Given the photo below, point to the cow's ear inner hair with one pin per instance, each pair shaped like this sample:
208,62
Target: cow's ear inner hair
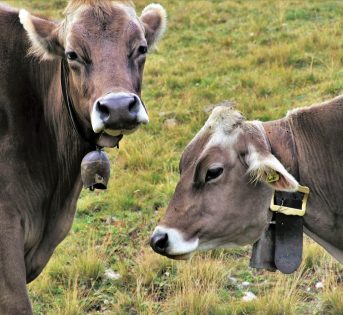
154,19
43,35
268,169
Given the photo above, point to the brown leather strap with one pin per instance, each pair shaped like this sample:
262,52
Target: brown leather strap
70,105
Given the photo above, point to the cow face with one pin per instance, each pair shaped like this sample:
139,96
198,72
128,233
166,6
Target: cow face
105,45
223,196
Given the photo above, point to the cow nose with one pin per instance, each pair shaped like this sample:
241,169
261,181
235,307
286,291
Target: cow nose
159,242
119,111
118,106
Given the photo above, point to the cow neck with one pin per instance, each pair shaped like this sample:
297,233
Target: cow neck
282,144
70,105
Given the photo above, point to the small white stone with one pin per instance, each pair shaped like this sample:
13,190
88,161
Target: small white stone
245,284
170,123
249,296
110,220
319,285
233,280
111,275
163,114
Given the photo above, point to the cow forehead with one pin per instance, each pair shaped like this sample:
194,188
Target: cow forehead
223,119
101,7
106,19
193,151
220,129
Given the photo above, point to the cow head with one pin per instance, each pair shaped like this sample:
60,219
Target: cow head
223,195
105,45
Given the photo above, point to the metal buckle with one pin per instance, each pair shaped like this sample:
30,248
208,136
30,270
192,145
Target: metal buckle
292,211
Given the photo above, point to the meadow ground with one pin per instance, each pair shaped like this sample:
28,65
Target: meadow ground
267,57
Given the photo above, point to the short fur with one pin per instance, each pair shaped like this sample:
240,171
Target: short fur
40,152
303,147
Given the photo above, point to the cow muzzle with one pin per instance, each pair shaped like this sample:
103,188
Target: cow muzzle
171,243
118,114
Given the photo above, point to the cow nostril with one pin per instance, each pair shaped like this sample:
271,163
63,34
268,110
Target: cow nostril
133,106
162,242
103,110
159,243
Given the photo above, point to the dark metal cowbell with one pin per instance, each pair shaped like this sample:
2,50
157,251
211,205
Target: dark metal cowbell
95,170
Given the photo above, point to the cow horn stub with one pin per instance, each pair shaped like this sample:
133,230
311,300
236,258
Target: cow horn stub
95,170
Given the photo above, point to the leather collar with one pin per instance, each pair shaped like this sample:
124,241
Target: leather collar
280,247
70,105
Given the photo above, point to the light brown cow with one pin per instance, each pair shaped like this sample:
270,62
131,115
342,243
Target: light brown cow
223,197
101,45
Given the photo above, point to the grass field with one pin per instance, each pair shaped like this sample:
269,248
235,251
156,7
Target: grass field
267,57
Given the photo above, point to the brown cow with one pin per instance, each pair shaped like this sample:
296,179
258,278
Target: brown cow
223,196
103,46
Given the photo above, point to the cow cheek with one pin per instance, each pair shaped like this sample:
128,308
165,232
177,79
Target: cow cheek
251,216
137,76
87,99
234,217
78,92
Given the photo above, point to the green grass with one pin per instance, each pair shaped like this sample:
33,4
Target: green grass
266,56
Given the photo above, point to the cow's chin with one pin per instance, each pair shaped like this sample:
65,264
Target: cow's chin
108,141
181,257
205,247
217,243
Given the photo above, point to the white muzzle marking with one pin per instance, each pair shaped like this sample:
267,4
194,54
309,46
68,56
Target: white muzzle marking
98,124
142,115
176,243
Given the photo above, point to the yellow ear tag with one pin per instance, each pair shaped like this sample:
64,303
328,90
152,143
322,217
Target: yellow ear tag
273,177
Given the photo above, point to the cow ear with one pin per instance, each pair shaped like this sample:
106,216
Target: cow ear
43,34
154,19
267,168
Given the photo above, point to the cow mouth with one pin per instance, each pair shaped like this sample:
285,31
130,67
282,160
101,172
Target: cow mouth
116,132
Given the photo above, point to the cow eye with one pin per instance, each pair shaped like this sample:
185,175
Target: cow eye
142,50
71,55
213,173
